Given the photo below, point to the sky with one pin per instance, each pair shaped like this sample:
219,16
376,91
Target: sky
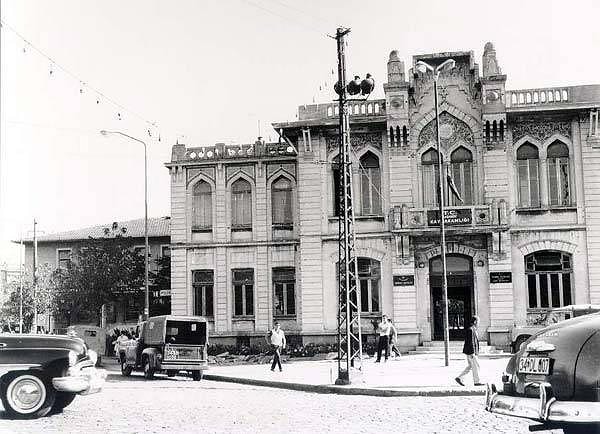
202,72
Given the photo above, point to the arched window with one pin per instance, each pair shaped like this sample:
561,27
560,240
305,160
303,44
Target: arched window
528,174
462,173
548,279
281,203
392,136
370,185
241,205
559,186
431,178
201,206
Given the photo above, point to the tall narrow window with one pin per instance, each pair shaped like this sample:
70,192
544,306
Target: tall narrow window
243,292
370,183
241,205
549,277
63,258
335,174
203,286
462,173
431,177
281,203
369,277
559,186
202,206
528,174
284,295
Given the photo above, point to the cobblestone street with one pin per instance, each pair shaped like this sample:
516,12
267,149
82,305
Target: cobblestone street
179,405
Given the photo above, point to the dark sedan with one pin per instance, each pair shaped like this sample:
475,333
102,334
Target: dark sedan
40,374
554,378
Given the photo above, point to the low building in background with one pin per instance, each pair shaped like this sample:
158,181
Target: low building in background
58,249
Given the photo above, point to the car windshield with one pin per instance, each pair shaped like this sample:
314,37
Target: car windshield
186,332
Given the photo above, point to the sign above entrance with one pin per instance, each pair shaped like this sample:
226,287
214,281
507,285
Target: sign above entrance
500,277
404,280
451,217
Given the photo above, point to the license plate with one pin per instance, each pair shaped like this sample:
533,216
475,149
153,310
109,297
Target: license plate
534,365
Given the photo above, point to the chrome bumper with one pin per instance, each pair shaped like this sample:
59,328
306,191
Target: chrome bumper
183,366
541,409
83,379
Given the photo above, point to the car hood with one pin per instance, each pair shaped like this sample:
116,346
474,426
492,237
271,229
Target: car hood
562,342
43,341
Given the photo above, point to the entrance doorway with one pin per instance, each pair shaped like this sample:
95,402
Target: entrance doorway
460,295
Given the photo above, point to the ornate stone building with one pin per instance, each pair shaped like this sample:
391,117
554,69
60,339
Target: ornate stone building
254,227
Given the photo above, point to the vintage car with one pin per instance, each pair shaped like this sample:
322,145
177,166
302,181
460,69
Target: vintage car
554,378
40,374
169,344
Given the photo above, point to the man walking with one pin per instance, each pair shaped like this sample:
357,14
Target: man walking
276,339
393,336
384,331
471,350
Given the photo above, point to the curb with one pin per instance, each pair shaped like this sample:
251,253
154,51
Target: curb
344,390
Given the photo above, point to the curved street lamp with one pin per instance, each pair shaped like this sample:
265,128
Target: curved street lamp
146,251
423,67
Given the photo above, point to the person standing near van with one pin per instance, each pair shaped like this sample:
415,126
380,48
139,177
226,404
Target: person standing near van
384,330
471,350
276,339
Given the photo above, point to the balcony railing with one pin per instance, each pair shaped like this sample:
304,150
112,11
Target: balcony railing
332,110
223,151
405,218
538,97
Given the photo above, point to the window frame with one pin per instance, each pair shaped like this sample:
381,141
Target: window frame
59,260
207,225
368,204
527,164
288,220
203,286
431,169
369,279
236,200
460,168
560,167
285,282
539,275
244,290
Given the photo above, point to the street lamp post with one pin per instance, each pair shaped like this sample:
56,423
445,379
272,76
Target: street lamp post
444,66
146,250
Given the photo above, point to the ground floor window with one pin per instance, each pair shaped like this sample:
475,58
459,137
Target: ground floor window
203,285
369,276
549,279
243,292
284,294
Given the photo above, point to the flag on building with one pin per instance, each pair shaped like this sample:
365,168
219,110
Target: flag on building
452,185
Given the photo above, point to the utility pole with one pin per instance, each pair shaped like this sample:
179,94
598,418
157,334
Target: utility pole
35,309
349,333
21,286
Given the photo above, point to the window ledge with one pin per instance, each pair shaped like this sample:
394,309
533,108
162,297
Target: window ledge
243,318
241,229
292,317
359,217
201,229
544,209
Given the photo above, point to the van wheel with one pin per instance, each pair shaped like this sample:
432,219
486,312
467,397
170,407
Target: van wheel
171,373
125,369
148,370
27,395
197,375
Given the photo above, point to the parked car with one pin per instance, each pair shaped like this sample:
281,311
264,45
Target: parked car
40,374
93,336
538,319
169,344
554,378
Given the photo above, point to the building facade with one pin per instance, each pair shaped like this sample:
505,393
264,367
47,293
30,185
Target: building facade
254,227
58,249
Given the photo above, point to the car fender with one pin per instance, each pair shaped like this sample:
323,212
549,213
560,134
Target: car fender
152,354
587,370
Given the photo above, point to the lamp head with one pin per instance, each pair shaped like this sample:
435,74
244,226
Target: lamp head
423,67
104,132
447,65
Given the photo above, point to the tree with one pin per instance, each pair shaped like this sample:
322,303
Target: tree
41,298
103,270
161,281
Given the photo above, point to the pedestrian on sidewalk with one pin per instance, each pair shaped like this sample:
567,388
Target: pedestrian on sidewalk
276,339
392,338
384,330
471,350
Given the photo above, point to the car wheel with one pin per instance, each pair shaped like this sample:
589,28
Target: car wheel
584,428
28,395
125,369
171,373
148,370
197,375
62,400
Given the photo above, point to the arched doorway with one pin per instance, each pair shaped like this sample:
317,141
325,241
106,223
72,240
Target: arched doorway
461,305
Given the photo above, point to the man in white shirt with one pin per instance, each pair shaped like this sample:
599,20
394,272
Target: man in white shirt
276,339
384,331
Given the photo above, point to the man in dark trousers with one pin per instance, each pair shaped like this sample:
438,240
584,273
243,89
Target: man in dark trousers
276,339
384,331
471,350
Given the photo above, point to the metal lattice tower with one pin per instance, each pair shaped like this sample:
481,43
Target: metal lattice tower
349,333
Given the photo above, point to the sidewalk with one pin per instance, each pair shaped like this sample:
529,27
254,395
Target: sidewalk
407,376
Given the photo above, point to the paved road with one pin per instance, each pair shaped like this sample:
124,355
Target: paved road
179,405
